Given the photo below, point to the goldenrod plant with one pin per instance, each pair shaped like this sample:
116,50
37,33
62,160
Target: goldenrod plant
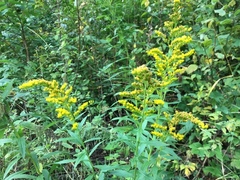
60,96
64,103
147,100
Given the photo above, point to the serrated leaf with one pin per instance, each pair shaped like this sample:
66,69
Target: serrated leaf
236,163
215,171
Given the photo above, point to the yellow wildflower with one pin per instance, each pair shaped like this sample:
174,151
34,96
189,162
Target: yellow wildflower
158,134
62,112
178,136
68,91
157,126
176,1
74,126
129,106
158,102
33,83
63,87
82,107
72,100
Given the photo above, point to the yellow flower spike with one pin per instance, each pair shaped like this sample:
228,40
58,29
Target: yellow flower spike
68,91
160,34
63,87
54,84
158,134
62,112
74,126
129,106
176,1
82,107
72,100
158,102
33,83
157,126
180,41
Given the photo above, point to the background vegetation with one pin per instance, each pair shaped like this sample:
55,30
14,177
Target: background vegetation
93,45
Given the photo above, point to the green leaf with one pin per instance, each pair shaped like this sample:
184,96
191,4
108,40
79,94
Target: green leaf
10,167
22,146
155,143
94,148
3,124
122,173
219,154
66,145
235,161
3,141
213,170
46,174
221,12
90,177
112,145
75,138
7,90
37,165
105,168
49,155
191,68
220,55
4,61
226,21
195,149
92,139
20,175
187,127
65,161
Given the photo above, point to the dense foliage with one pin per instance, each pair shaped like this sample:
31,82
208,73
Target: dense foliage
119,89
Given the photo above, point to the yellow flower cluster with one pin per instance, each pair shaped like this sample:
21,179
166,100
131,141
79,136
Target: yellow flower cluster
129,106
74,126
59,95
63,112
185,116
150,85
176,1
158,102
34,82
172,123
158,134
157,126
130,94
141,74
82,107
